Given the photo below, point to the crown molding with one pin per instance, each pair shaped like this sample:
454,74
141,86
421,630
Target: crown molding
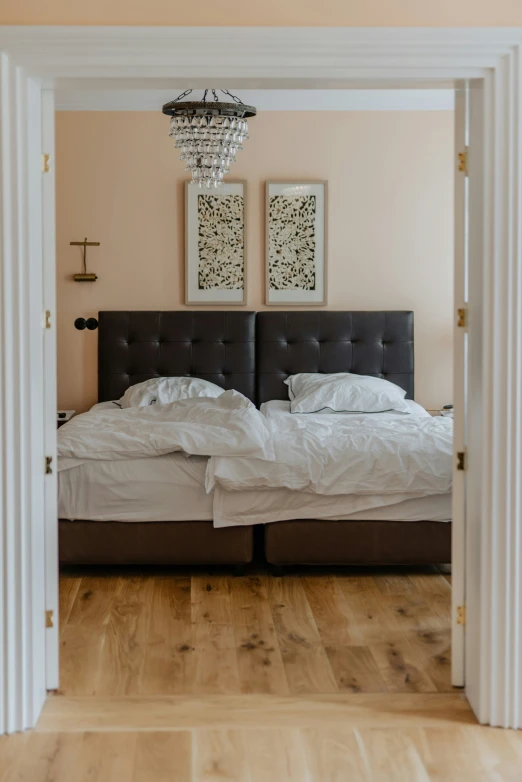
325,57
265,100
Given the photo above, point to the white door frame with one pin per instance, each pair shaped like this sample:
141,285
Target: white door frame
22,568
134,57
458,532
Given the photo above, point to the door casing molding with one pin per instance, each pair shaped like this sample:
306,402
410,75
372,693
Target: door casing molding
289,58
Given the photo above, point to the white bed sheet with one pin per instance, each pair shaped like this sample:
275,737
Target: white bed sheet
162,488
265,506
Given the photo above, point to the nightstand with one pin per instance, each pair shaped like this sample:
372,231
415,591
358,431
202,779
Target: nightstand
446,413
63,416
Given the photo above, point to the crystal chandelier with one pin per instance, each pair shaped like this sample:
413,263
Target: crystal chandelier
209,134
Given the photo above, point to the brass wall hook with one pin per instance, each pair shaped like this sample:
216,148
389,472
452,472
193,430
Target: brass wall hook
85,276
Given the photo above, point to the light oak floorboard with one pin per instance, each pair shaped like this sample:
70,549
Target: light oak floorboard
163,757
321,753
391,756
276,755
416,612
355,669
169,650
104,758
11,750
123,653
436,590
397,662
432,654
305,659
332,613
333,754
82,639
51,757
259,659
220,755
479,754
394,584
372,612
215,668
69,586
178,712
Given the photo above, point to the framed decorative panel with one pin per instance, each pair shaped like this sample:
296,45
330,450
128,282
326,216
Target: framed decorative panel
296,243
215,271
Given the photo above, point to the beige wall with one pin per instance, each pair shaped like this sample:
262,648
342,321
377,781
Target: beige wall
393,13
120,182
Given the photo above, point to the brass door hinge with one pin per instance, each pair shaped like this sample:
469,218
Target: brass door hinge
462,317
461,615
47,319
46,163
49,616
48,465
461,460
463,161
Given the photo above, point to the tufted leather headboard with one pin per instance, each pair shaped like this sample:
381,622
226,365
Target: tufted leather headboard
366,343
135,346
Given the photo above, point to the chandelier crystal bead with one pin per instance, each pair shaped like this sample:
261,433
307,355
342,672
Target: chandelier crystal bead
209,134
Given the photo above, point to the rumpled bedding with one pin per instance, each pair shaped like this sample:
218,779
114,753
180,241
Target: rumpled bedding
360,455
397,458
229,425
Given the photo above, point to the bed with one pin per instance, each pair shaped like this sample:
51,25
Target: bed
136,346
157,511
367,343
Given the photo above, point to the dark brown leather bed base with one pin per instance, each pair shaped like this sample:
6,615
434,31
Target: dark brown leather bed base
306,542
310,542
153,543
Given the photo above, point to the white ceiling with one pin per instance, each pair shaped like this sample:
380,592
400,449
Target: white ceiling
123,99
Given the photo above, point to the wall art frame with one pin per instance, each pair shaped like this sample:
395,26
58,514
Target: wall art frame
215,245
298,231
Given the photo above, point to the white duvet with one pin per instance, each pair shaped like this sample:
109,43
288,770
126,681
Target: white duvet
228,425
355,462
406,456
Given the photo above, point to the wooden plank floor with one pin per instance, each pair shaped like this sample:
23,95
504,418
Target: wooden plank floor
215,634
317,677
256,738
316,754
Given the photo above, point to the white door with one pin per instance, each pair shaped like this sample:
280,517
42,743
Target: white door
460,379
50,401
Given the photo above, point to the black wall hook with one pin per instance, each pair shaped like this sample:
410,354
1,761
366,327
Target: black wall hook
90,323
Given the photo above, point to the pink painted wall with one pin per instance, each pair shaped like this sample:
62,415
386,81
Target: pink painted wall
294,13
120,182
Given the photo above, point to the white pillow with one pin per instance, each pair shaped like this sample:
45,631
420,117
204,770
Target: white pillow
162,390
344,392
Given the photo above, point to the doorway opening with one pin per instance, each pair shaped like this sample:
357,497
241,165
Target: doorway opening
299,631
